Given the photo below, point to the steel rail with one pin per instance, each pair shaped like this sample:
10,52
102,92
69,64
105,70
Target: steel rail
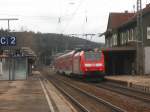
113,107
79,105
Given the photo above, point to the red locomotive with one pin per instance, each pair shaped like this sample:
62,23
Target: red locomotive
84,63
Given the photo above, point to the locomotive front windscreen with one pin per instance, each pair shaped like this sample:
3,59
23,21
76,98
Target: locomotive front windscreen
92,56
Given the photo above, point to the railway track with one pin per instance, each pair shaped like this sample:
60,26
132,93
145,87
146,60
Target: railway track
80,106
125,91
125,102
84,100
52,96
145,97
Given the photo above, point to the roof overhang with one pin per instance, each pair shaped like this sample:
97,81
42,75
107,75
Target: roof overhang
102,34
118,49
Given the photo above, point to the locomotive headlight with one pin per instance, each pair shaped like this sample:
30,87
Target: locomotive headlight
99,64
88,65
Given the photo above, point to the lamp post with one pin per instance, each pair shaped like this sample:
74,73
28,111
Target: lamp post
8,20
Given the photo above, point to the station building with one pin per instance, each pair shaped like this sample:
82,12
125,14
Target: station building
124,53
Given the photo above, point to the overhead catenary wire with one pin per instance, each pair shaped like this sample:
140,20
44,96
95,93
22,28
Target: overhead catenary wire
84,24
72,16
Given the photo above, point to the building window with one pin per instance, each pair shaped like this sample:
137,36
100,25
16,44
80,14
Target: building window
114,39
131,33
128,35
124,37
121,40
135,33
148,32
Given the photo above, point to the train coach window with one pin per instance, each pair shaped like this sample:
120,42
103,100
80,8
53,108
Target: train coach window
92,56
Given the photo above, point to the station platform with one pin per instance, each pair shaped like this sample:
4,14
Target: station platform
140,82
29,96
22,96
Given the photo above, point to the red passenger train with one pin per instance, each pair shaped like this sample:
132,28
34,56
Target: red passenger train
84,63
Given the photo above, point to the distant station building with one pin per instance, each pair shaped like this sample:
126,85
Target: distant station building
31,58
123,53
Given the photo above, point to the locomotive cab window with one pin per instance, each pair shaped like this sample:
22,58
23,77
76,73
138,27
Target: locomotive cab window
92,56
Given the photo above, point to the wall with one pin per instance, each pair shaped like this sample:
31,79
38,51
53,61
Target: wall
146,23
13,68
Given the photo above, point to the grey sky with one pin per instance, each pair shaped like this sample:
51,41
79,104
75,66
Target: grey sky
42,15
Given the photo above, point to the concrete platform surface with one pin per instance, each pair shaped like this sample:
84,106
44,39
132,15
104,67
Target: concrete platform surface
139,80
36,94
22,96
141,83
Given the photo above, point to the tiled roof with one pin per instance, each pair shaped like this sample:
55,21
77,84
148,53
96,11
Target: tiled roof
116,19
120,19
133,19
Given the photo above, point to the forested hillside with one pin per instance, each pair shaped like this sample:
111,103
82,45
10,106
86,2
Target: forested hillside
47,44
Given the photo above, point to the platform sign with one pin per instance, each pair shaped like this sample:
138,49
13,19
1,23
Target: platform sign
7,41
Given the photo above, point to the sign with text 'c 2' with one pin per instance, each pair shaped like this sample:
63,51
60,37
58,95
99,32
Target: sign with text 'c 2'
7,41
